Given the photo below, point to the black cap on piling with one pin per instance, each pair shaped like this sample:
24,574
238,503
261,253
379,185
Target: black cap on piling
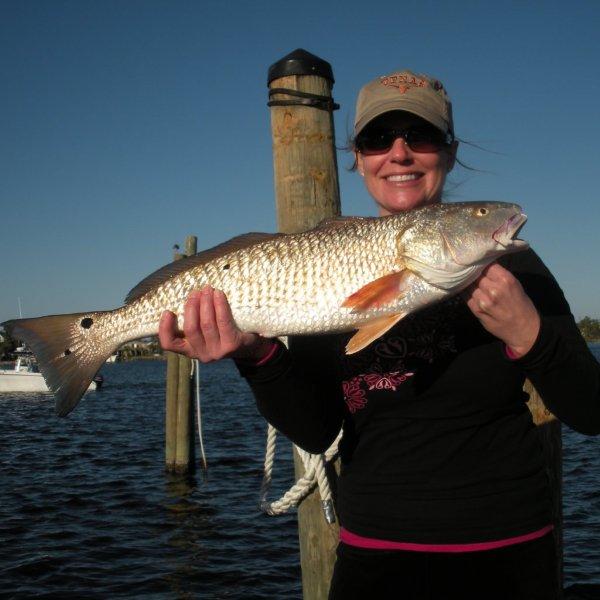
300,62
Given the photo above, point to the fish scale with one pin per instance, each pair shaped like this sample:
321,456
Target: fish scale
351,273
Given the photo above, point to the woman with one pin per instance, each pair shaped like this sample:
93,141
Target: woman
442,492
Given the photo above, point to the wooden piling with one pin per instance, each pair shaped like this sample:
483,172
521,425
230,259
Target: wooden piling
171,410
550,432
306,192
304,156
179,418
171,402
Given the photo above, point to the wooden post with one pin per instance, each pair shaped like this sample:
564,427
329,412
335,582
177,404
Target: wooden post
185,425
171,402
304,158
306,192
549,429
179,426
171,410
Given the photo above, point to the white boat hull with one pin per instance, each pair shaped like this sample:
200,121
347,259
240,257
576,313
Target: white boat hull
22,381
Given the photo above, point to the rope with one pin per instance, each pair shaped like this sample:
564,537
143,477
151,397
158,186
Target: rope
196,371
305,99
314,474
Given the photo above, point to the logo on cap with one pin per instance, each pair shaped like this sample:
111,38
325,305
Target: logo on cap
402,82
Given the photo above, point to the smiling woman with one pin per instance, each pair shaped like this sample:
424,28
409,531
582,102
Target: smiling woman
443,491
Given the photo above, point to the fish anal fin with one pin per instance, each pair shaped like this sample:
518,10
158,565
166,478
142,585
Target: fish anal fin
379,292
371,331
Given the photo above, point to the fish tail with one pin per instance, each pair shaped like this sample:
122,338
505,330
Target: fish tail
70,349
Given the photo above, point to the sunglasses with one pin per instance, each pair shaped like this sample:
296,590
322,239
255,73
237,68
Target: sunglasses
418,139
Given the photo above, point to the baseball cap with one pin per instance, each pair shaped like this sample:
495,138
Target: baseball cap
404,90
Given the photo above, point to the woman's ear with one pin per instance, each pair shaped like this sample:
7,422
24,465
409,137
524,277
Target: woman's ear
359,163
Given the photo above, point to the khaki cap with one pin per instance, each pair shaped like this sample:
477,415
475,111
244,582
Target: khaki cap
404,90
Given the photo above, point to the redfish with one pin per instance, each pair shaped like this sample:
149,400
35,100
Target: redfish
348,273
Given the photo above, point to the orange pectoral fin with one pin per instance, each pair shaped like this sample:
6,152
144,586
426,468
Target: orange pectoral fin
370,332
379,292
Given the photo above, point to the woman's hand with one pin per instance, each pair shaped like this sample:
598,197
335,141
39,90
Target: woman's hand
498,300
209,331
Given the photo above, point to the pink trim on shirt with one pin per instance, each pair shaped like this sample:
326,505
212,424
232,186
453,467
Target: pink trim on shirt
352,539
510,353
268,356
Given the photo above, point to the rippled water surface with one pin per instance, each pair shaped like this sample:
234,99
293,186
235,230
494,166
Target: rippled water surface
87,511
581,505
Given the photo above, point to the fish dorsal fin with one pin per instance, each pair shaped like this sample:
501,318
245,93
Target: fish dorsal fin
371,331
337,222
179,266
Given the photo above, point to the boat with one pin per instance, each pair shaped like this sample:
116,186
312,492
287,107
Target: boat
113,358
26,377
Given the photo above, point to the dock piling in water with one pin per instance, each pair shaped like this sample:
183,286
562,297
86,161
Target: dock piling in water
179,413
550,433
306,192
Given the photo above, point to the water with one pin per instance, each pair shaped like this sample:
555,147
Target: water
581,505
87,511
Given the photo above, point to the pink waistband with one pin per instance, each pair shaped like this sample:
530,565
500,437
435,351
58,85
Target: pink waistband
347,537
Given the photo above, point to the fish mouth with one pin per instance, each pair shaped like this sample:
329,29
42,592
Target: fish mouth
505,234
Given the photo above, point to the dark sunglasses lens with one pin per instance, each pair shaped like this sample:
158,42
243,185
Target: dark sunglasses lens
424,140
417,139
375,142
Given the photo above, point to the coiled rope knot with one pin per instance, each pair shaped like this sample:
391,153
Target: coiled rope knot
314,474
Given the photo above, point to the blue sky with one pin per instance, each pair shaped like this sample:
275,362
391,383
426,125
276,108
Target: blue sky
128,125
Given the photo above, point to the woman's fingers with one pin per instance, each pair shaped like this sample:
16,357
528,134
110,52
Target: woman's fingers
209,329
169,336
229,333
208,323
493,292
500,303
191,323
483,302
496,273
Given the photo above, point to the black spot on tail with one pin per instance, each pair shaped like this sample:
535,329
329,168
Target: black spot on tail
57,337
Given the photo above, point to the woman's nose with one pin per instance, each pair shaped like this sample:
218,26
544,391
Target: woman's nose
400,150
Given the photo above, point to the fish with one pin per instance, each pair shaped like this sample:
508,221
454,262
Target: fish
347,273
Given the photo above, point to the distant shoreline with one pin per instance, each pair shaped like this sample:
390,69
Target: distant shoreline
133,358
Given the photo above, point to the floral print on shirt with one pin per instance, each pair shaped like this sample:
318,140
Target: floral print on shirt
355,395
393,359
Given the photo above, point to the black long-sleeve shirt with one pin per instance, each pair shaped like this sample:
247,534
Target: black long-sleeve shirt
438,443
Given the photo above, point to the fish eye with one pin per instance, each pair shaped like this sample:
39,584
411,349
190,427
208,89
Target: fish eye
481,212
